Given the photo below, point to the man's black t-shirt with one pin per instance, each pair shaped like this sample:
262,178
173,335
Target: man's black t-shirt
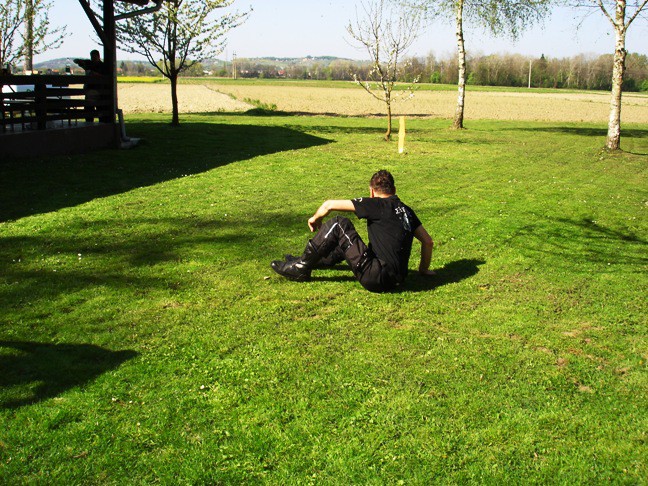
391,225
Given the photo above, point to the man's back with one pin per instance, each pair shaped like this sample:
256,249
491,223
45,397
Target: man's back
391,225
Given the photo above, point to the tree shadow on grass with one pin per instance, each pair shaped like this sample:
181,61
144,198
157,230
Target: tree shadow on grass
627,134
127,262
38,185
588,131
32,372
570,242
367,128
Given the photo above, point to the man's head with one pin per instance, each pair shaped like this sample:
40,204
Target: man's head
382,184
94,55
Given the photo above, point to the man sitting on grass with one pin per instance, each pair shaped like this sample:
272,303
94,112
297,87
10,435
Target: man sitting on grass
391,225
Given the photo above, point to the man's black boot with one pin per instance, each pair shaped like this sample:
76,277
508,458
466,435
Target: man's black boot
298,269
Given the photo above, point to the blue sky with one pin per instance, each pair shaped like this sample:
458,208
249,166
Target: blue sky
296,28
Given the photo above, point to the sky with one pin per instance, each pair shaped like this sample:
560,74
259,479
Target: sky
299,28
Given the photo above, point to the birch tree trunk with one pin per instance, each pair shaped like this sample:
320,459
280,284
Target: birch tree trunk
461,60
614,124
29,36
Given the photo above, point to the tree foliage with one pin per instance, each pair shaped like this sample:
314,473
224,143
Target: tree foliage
581,71
12,17
180,34
25,30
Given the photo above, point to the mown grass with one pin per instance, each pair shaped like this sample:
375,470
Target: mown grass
142,79
145,339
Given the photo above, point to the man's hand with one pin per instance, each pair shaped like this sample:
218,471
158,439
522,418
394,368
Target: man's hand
426,250
314,223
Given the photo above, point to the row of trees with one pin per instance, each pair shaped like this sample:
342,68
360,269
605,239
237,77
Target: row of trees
140,68
577,72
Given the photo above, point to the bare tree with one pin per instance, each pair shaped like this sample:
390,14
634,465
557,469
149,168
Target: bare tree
621,14
386,37
179,34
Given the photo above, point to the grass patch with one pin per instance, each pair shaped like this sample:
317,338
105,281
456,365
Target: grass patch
144,338
141,79
260,108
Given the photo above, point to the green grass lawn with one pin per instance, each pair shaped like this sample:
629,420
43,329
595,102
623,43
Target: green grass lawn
144,337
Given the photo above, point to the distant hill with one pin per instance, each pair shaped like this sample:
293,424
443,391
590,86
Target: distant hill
325,60
55,64
61,62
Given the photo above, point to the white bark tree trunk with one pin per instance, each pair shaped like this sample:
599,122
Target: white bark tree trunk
614,124
29,36
461,60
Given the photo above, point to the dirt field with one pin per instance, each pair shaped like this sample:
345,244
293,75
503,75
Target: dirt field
156,98
211,97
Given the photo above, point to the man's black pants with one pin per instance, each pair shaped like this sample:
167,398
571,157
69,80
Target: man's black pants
338,240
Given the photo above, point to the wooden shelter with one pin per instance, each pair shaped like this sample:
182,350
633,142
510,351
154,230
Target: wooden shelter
50,114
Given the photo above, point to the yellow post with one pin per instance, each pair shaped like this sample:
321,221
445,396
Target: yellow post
401,134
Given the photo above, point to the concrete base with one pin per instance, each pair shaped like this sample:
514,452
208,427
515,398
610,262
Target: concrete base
128,143
60,141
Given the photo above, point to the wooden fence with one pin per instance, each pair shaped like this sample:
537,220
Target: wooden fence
39,102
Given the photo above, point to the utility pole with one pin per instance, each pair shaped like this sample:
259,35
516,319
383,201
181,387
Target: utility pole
234,64
530,63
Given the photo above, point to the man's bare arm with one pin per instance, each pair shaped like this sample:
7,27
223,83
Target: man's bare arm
315,221
426,250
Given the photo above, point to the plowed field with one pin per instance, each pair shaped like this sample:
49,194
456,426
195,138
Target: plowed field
497,105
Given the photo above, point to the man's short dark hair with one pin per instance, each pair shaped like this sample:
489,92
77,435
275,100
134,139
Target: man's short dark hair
383,182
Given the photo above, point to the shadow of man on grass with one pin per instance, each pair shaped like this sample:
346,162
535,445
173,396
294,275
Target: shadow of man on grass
450,273
31,372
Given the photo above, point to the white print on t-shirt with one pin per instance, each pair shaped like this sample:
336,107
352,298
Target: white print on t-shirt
401,212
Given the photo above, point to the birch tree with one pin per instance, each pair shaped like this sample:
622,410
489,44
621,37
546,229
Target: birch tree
180,34
385,34
500,17
39,35
621,14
